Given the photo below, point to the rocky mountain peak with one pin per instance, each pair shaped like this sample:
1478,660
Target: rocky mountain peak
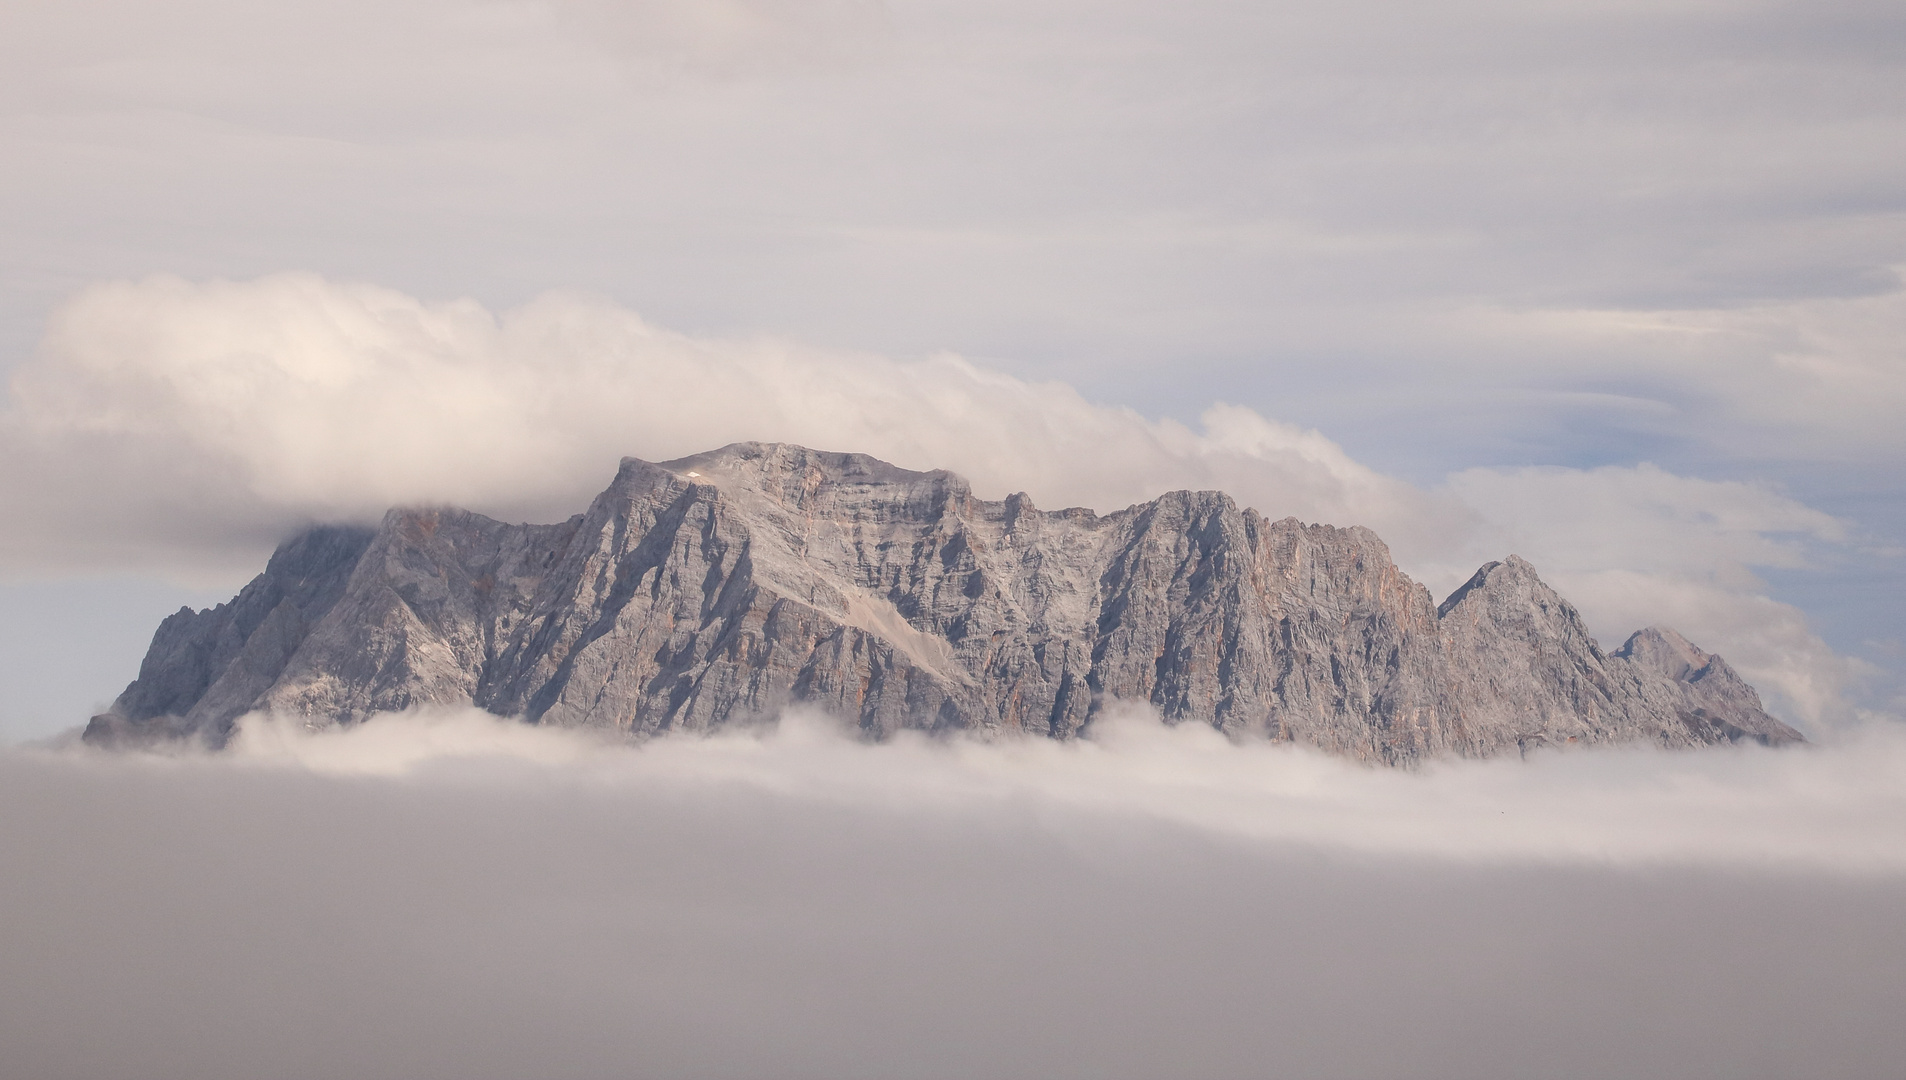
722,586
1510,582
1506,602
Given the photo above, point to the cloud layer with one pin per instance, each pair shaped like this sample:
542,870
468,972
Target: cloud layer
450,897
310,398
1840,809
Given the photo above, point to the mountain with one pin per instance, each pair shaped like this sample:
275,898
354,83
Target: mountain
719,587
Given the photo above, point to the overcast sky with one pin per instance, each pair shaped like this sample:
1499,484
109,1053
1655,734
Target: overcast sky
1613,285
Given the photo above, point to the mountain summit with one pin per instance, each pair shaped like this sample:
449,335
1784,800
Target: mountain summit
720,587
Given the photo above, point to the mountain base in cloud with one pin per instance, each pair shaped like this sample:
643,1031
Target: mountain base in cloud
724,586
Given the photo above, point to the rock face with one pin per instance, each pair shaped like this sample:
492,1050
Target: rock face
720,587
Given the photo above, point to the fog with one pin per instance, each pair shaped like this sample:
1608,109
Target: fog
450,895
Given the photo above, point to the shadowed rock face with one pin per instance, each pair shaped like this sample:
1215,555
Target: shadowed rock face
721,587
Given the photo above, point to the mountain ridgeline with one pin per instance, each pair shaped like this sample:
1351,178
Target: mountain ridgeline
722,587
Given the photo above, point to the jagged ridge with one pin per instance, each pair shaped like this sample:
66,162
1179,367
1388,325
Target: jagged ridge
720,587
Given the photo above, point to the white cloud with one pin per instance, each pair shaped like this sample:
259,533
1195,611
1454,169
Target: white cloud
298,398
1841,807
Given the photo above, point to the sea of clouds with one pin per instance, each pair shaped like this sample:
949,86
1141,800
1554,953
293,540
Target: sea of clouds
1841,807
449,894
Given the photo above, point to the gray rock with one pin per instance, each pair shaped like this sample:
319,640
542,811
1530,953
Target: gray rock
206,668
1523,671
718,588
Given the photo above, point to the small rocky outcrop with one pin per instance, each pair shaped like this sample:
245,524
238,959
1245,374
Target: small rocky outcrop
721,587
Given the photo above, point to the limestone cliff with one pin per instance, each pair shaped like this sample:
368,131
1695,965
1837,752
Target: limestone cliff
719,587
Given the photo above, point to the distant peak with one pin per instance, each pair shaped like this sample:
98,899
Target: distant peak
1662,649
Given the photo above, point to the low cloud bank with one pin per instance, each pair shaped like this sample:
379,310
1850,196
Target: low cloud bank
449,895
1840,807
166,423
